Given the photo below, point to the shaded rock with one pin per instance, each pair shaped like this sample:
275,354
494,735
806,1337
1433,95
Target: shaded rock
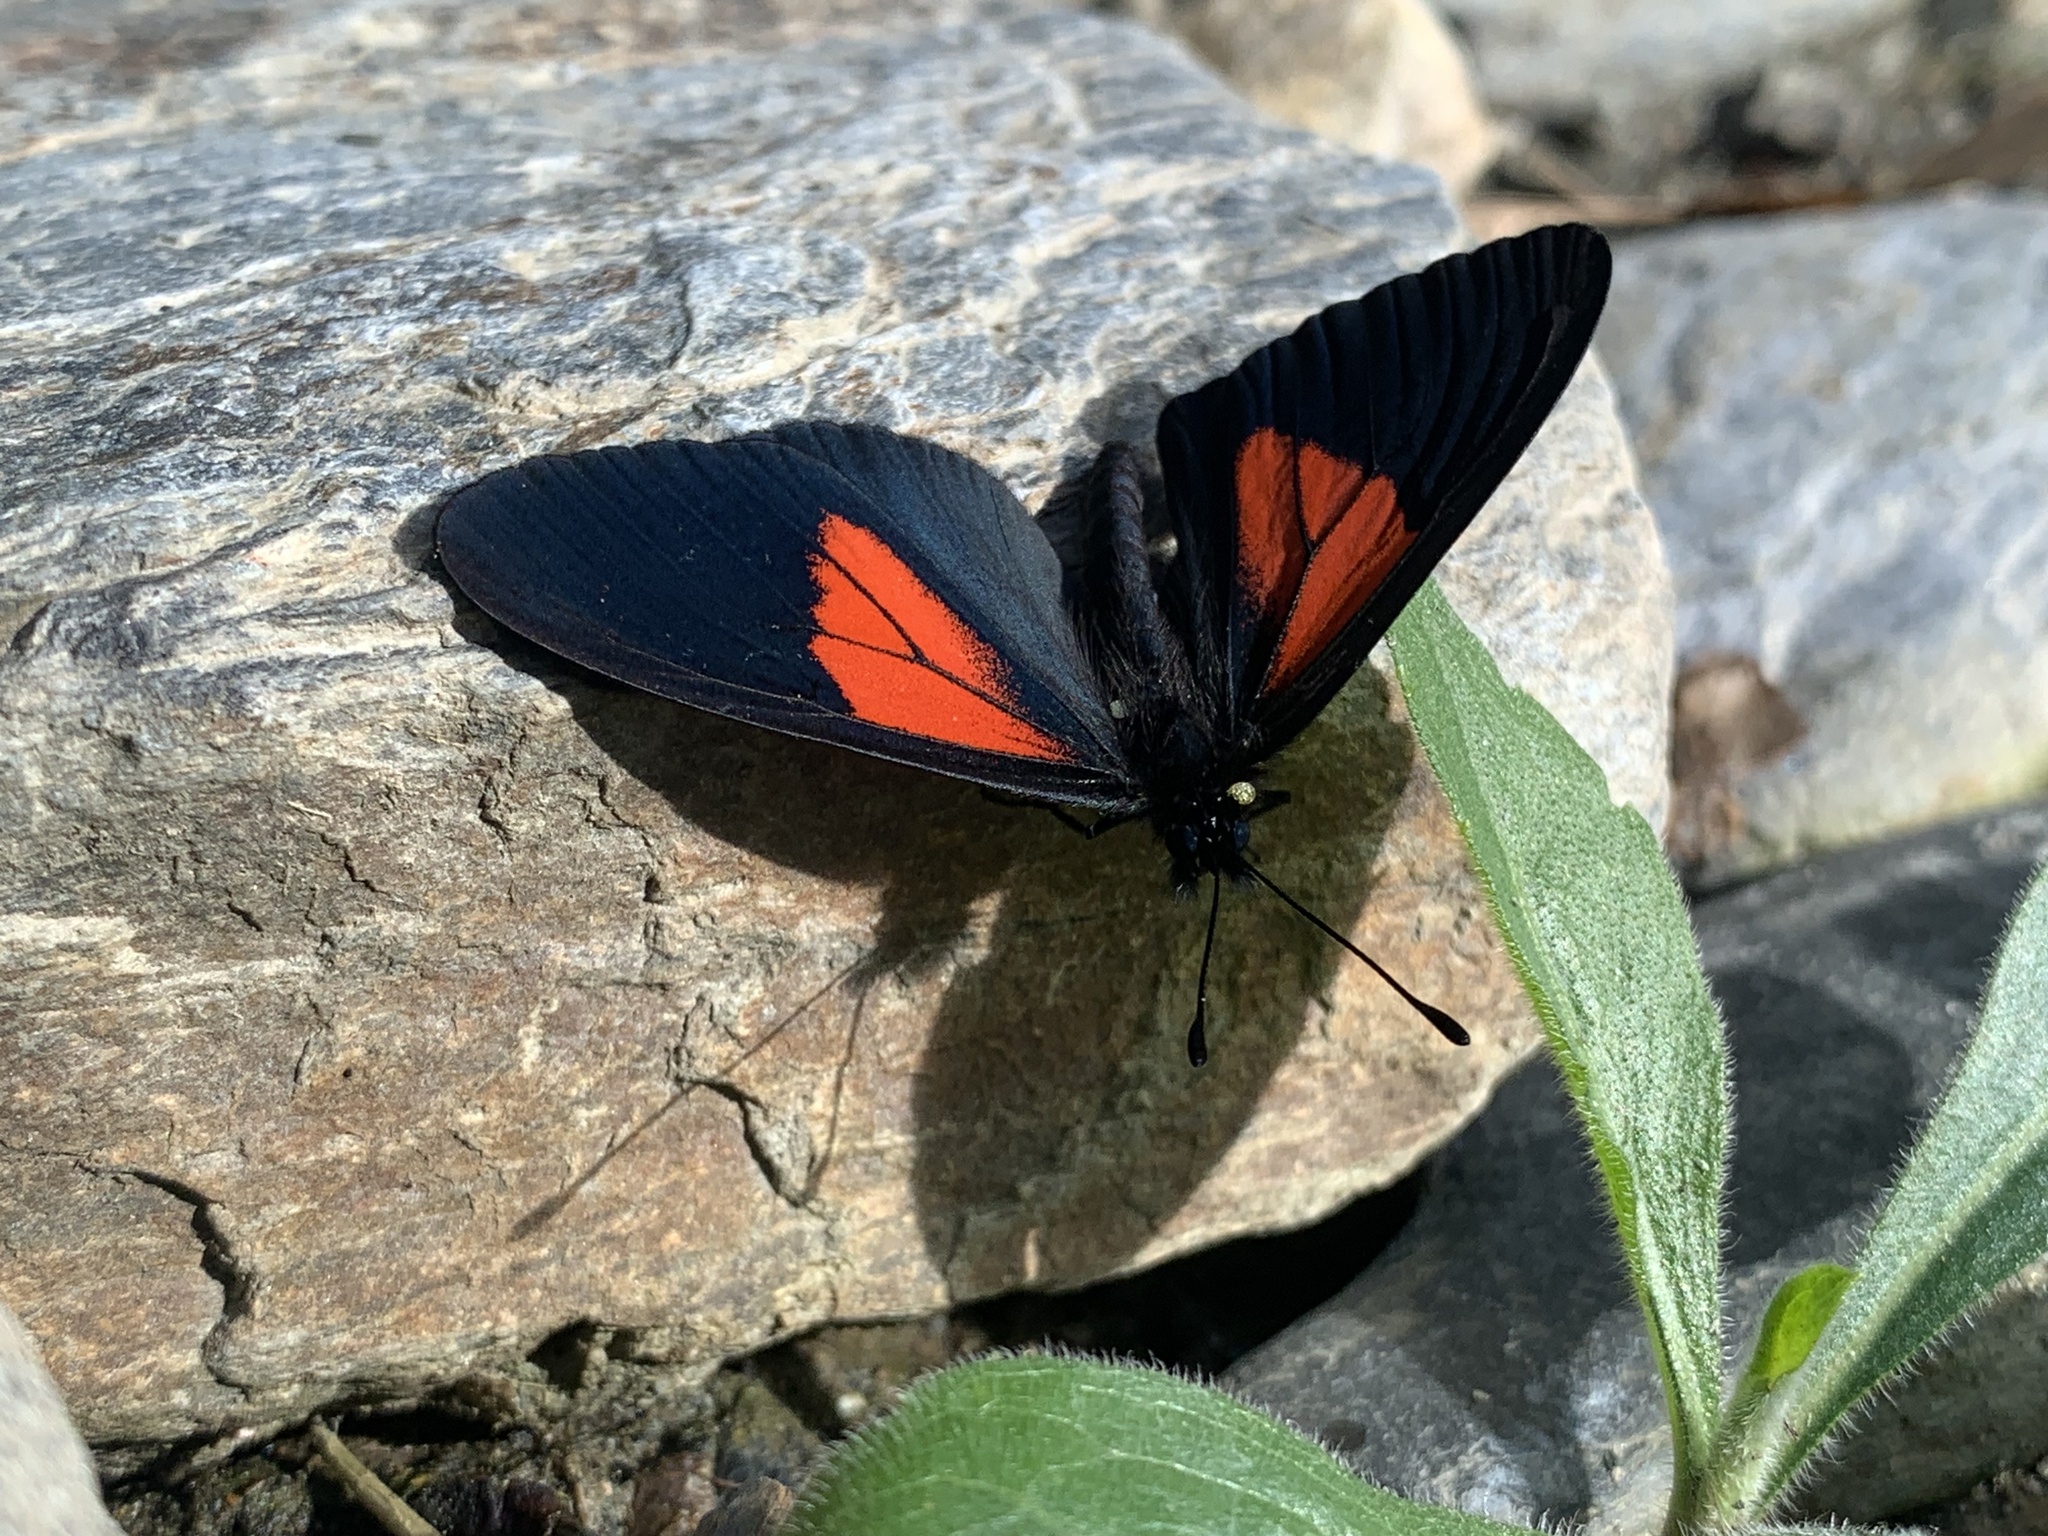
1692,104
1727,721
2015,1503
1843,425
47,1483
387,996
756,1508
1385,77
762,1437
673,1495
479,1506
2010,149
1493,1358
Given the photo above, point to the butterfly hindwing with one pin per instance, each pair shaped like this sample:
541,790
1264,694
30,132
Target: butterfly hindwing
843,584
1314,488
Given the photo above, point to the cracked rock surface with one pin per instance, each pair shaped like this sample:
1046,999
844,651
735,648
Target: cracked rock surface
383,994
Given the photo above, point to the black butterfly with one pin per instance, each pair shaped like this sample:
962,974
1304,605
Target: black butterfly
876,591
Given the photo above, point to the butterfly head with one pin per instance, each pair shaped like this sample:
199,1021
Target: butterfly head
1208,831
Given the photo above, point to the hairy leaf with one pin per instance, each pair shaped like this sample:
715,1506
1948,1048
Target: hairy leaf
1969,1211
1035,1445
1797,1314
1599,935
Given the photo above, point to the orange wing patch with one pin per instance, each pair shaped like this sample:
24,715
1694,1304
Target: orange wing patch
903,659
1315,539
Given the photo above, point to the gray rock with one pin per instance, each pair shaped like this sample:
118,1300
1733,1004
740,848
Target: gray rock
384,995
1493,1359
1385,77
47,1483
1842,420
1676,100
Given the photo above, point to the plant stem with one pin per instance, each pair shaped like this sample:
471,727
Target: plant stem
366,1488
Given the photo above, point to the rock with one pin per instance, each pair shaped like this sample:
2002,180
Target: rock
1690,104
1843,426
2012,1504
1385,77
387,995
481,1506
47,1483
1727,721
673,1495
1493,1359
756,1508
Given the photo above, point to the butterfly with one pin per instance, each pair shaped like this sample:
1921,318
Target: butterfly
877,591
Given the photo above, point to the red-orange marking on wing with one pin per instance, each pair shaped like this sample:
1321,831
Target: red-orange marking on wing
1316,539
1271,553
903,659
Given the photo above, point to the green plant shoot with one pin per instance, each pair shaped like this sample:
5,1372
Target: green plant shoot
1599,935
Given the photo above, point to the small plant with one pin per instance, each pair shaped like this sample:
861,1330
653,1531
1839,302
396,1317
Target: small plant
1048,1446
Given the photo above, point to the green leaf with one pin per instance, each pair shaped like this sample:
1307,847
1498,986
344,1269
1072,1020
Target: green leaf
1794,1320
1598,932
1969,1211
1035,1445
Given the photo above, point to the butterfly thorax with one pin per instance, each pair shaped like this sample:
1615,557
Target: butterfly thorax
1197,800
1204,837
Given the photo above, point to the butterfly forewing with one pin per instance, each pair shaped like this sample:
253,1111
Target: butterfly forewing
878,592
1314,488
843,584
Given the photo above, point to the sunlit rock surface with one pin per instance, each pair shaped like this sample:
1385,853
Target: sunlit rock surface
384,994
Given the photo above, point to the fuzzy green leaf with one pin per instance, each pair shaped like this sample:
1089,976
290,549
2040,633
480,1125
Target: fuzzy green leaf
1599,935
1969,1211
1794,1320
1034,1445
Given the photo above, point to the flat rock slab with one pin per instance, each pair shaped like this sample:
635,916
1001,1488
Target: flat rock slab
385,994
1493,1358
1843,426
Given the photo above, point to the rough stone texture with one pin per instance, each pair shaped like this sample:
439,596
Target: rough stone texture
1677,100
1383,76
1493,1359
1843,425
47,1483
384,994
2013,1504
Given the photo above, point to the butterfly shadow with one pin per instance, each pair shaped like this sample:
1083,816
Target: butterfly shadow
1031,988
1034,987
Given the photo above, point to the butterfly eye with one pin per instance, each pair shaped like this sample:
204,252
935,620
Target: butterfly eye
1243,792
1118,711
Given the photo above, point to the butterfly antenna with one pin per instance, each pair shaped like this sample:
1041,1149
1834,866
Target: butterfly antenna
1445,1025
1198,1039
